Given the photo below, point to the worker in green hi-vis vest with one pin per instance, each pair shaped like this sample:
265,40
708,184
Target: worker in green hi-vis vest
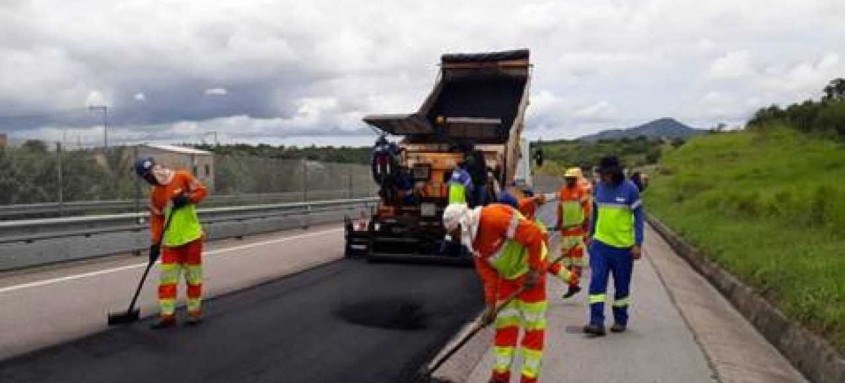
460,185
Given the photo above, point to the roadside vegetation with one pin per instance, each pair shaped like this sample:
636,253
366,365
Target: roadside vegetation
768,204
640,153
337,154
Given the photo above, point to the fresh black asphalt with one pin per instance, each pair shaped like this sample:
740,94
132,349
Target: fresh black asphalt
348,321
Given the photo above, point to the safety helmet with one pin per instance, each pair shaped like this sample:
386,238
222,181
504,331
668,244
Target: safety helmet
452,216
144,165
572,173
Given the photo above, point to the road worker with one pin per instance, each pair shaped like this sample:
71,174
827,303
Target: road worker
510,254
460,185
583,182
573,211
173,196
527,203
616,237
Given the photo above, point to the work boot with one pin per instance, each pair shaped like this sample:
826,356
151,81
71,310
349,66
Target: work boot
193,319
163,323
594,329
572,291
617,328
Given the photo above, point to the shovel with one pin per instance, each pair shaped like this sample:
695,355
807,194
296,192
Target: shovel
133,313
476,329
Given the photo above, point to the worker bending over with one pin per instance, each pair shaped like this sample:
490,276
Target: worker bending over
573,210
617,237
174,195
510,254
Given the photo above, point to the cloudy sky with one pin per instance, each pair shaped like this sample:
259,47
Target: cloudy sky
301,72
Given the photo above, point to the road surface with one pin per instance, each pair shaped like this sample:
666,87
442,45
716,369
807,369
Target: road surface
317,318
343,321
681,330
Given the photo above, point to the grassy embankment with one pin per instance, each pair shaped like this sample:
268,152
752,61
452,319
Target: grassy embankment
768,205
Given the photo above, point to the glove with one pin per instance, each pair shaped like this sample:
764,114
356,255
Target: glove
155,251
180,200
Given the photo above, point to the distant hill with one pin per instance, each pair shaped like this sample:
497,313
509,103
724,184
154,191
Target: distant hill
664,127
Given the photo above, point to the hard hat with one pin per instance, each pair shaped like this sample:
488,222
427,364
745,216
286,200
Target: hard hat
572,173
144,165
452,215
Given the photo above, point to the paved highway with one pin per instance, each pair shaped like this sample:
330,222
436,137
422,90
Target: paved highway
314,317
342,321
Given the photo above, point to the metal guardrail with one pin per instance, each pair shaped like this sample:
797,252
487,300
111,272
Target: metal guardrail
32,242
81,207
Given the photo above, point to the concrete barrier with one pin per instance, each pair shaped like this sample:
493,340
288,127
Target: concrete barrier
812,355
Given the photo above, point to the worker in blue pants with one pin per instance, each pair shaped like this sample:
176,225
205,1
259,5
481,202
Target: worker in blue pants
616,237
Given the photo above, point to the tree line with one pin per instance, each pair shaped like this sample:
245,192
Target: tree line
338,154
824,116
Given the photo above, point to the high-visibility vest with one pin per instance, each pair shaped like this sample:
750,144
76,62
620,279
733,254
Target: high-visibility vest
511,260
185,226
615,224
457,193
572,208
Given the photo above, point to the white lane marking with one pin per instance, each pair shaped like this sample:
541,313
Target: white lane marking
139,265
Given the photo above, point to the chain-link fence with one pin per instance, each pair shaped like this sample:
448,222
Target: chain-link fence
302,180
37,174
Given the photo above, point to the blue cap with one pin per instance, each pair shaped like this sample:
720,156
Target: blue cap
143,165
508,199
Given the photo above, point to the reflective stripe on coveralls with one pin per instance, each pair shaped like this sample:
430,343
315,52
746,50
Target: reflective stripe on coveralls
527,311
503,225
175,261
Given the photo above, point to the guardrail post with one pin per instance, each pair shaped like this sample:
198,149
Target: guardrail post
349,174
61,179
304,180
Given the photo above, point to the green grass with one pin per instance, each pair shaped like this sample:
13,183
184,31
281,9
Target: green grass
768,205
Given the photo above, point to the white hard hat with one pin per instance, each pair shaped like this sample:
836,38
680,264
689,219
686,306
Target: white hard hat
452,215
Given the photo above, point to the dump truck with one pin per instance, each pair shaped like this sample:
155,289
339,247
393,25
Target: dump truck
476,111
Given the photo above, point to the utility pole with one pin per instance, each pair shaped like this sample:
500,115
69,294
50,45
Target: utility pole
214,133
105,110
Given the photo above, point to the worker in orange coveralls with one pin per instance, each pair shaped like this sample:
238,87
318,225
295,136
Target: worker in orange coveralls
174,195
574,209
510,253
527,203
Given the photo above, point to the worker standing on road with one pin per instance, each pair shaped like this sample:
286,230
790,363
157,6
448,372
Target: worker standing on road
527,204
510,257
616,241
182,242
573,210
460,184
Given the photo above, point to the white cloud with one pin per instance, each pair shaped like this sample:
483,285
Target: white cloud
96,98
731,65
292,67
139,97
216,92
